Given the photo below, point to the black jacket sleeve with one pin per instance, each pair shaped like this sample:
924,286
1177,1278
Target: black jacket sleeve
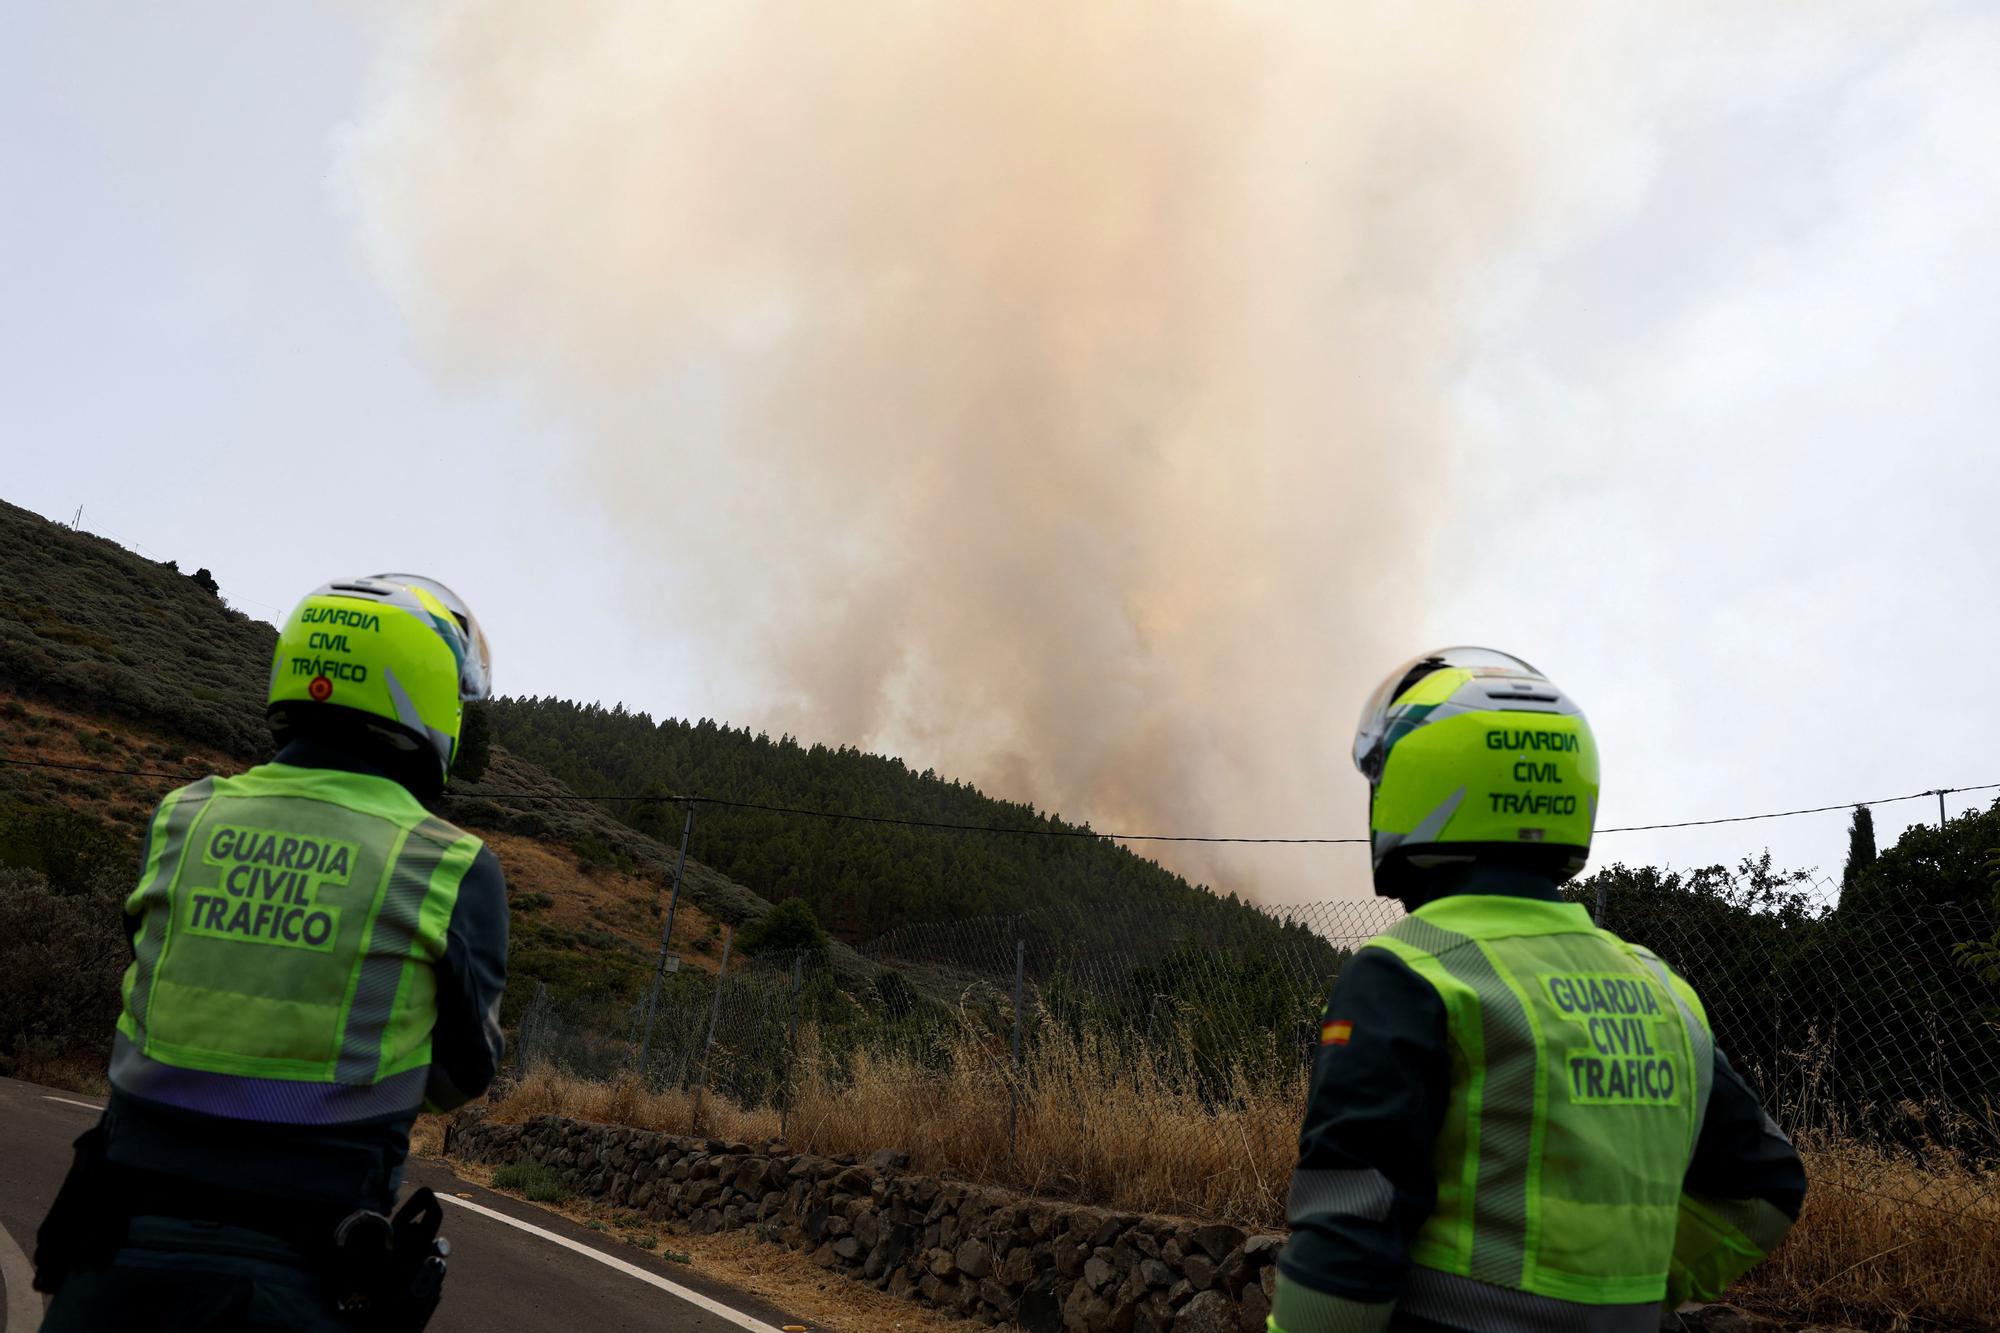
1742,1192
1380,1087
1741,1153
466,1045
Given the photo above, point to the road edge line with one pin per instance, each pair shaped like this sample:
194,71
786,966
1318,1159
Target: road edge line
694,1298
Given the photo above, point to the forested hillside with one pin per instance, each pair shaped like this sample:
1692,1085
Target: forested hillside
859,878
112,661
121,677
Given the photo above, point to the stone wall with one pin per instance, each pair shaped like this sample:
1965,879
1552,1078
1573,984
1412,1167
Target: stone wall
983,1253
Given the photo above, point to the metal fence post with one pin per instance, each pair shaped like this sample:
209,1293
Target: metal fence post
1014,1084
666,934
714,1018
787,1091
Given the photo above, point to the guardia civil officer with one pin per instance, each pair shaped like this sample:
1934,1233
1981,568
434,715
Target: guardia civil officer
1518,1122
316,957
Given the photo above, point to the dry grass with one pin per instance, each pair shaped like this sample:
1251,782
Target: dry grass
1093,1124
51,733
613,901
546,1092
427,1135
1884,1243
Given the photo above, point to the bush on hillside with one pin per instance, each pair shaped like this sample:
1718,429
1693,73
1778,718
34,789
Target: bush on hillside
71,852
60,958
789,926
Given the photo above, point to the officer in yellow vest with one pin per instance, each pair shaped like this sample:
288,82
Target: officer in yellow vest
1518,1122
316,957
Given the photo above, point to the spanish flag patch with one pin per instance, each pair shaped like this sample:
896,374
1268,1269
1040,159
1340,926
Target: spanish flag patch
1335,1033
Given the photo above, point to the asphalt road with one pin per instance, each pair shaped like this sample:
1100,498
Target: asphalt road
502,1279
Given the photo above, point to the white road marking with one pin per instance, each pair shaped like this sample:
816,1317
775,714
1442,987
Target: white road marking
693,1298
67,1102
24,1304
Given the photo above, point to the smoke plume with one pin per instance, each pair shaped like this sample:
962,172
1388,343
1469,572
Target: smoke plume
1054,393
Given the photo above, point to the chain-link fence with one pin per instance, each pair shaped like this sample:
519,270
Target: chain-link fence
1130,1062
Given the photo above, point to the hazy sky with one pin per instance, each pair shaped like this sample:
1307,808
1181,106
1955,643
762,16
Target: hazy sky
1710,438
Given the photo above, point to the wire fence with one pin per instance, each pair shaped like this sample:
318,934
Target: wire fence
1169,1070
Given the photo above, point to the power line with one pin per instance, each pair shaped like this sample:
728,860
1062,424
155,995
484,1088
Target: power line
1810,810
947,826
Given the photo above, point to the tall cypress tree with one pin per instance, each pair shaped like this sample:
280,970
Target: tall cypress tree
1860,848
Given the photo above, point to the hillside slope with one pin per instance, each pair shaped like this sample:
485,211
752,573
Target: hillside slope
862,878
109,661
92,627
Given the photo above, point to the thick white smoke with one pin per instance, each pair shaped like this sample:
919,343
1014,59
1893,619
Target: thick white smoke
1054,393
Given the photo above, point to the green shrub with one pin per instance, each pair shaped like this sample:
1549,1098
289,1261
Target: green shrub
593,853
60,956
790,925
72,852
534,1181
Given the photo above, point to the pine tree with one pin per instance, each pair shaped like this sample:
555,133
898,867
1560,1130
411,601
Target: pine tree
475,744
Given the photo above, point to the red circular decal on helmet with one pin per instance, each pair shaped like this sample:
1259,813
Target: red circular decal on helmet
320,689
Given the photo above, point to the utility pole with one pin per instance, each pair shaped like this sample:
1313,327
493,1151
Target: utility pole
687,827
1940,796
666,934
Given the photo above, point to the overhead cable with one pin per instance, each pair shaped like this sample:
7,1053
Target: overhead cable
663,798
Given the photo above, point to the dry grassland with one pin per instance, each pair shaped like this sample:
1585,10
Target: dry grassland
616,902
1883,1243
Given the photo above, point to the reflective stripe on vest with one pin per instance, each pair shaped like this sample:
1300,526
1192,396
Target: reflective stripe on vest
271,1101
1580,1073
283,972
1361,1192
392,938
1462,1302
166,844
1502,1109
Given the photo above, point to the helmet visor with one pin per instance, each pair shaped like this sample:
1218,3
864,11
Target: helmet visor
1372,732
475,671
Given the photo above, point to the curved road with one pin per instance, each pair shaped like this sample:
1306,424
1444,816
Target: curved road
514,1267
